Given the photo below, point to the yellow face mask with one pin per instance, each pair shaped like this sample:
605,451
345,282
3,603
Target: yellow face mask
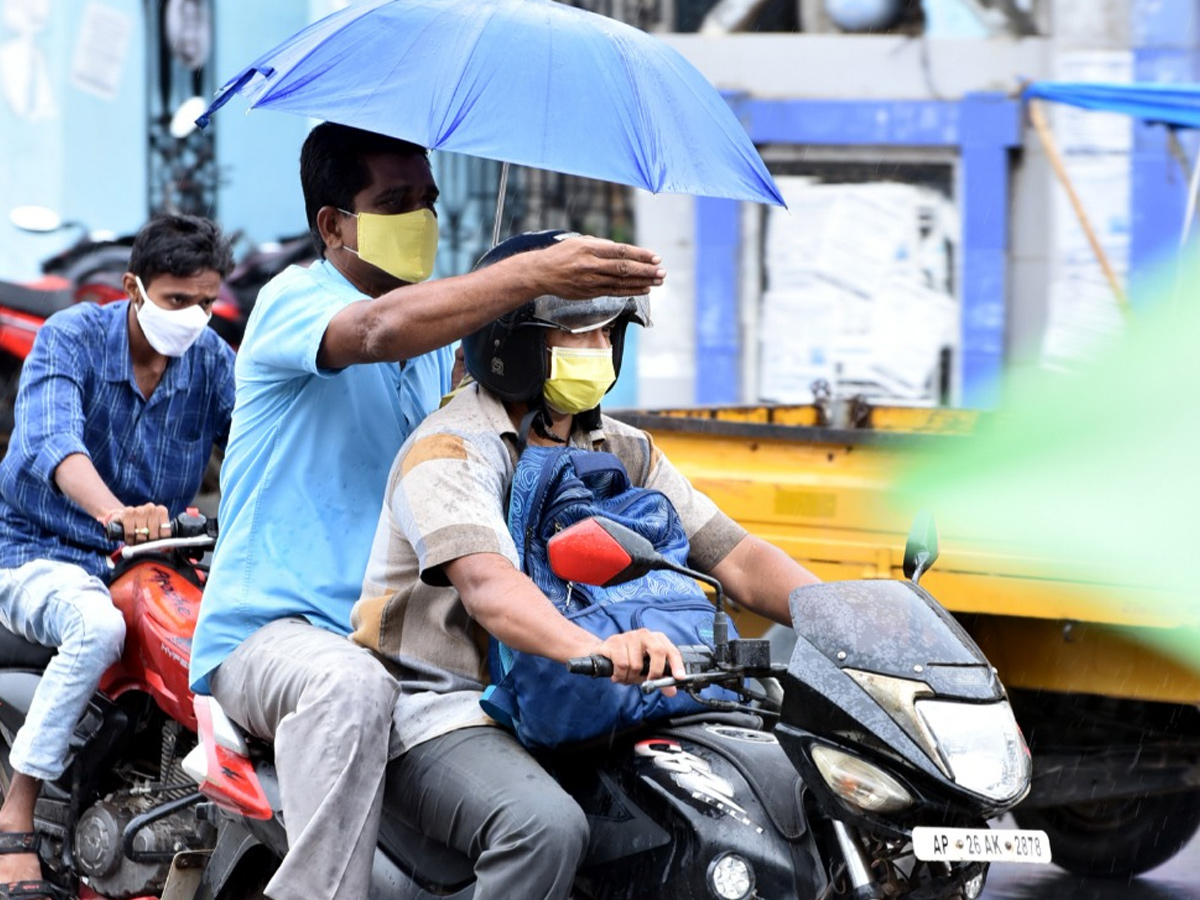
403,245
579,378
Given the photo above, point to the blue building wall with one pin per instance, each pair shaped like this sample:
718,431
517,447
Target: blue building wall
88,161
258,151
87,158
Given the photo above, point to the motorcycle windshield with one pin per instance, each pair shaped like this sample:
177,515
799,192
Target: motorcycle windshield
880,626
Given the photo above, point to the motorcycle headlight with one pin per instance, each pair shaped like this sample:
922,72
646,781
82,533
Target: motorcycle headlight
981,744
731,877
859,782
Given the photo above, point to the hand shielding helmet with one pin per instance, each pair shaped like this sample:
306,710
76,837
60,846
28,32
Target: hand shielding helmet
508,354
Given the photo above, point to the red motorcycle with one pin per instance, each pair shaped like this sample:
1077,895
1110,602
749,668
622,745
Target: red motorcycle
125,808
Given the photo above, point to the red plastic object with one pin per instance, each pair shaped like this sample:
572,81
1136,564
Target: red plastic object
98,292
17,331
160,607
232,782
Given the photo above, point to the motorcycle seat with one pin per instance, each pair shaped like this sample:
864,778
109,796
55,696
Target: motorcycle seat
18,653
35,301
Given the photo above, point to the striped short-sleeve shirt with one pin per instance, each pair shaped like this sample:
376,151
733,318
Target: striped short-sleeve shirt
445,500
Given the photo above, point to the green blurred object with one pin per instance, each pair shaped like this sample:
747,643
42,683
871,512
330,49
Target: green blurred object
1098,469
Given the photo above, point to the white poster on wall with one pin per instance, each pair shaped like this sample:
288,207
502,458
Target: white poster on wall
100,50
24,74
858,292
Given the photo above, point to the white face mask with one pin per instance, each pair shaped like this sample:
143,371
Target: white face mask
170,332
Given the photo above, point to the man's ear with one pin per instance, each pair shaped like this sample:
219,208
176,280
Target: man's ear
331,223
129,285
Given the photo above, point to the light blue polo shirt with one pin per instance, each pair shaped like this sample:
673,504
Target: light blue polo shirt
306,467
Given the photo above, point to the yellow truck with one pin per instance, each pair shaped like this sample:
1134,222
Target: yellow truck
1111,718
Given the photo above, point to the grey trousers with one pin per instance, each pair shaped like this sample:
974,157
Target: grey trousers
327,704
477,790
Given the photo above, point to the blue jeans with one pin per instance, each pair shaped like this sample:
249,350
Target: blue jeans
59,605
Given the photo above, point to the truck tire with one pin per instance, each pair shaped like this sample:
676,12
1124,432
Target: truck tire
1117,838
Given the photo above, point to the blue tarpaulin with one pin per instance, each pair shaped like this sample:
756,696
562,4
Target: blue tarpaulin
1173,104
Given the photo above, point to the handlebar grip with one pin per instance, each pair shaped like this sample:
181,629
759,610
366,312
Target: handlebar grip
596,666
185,525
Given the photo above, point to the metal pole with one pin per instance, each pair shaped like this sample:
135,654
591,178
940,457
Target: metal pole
500,203
1038,118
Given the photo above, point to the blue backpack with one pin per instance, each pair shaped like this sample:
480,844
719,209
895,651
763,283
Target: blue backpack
544,704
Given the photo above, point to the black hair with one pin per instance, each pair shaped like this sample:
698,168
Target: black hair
179,245
333,167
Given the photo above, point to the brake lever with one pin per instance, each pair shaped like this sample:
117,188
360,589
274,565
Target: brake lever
703,679
696,680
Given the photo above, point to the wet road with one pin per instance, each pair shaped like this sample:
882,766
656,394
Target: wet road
1178,879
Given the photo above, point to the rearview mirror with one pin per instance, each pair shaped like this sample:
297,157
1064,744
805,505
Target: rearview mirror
602,552
183,122
38,219
921,550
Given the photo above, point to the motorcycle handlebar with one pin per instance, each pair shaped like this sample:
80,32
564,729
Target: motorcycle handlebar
185,525
696,659
596,666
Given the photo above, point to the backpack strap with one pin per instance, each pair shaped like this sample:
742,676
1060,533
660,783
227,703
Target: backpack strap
590,463
535,419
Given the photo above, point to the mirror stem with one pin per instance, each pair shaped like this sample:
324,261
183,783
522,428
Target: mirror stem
720,617
720,636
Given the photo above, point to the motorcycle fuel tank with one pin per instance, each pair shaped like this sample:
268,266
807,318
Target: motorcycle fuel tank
160,605
696,811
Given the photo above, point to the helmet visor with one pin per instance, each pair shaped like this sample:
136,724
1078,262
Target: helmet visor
579,316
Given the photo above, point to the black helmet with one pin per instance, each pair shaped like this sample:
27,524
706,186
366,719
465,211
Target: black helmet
507,355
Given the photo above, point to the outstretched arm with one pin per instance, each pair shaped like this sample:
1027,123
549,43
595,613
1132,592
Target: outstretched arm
760,576
418,318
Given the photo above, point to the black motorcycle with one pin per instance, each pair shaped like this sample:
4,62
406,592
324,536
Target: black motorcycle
867,767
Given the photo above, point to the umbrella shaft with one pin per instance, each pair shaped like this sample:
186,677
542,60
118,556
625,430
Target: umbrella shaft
500,203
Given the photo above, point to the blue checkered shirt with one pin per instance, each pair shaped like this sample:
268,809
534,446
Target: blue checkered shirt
78,395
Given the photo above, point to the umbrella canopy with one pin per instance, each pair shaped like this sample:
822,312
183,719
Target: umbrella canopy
531,82
1174,104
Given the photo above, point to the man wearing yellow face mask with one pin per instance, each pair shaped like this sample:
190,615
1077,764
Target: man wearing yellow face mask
340,361
444,567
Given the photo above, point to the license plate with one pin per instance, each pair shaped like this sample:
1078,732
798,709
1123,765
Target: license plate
980,845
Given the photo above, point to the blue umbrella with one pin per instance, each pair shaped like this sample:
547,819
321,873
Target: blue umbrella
531,82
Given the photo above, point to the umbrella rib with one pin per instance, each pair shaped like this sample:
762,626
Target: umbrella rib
645,126
353,13
737,137
386,76
462,109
